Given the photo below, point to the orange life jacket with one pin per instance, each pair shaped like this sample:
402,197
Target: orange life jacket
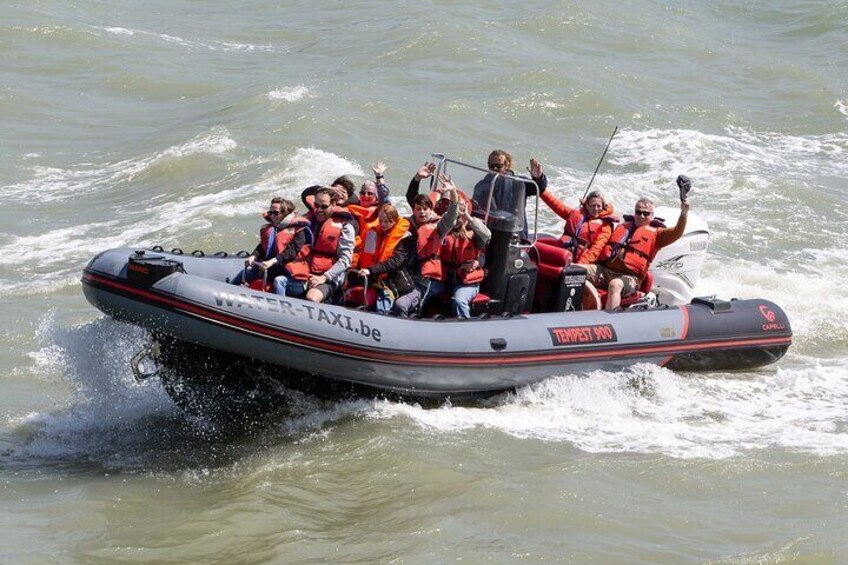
429,246
283,238
580,232
378,246
633,247
317,258
457,250
364,216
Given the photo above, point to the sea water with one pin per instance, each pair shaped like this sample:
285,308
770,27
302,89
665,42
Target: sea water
174,123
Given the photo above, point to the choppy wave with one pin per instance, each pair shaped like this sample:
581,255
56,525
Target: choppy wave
53,184
53,259
112,422
192,44
289,93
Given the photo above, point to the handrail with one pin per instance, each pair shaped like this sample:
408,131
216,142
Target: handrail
441,166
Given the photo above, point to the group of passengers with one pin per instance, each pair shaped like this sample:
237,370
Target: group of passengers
361,248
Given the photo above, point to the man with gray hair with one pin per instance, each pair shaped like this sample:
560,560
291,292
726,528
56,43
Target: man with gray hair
625,261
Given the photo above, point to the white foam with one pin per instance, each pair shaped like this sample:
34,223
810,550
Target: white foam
53,184
119,30
842,107
52,259
290,93
217,45
653,410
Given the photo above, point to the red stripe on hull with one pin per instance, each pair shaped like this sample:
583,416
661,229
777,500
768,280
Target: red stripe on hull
442,359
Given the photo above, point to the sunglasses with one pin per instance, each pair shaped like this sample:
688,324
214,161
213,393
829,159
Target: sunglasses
322,206
643,213
363,193
274,212
497,166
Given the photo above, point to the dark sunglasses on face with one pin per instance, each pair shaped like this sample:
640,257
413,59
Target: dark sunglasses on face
643,213
322,206
274,212
497,166
368,194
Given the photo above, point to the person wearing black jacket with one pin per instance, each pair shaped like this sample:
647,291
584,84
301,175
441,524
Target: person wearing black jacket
398,269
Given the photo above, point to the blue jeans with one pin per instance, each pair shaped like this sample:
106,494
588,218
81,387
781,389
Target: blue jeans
461,296
289,287
384,301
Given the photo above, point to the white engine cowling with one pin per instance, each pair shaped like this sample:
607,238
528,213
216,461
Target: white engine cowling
676,268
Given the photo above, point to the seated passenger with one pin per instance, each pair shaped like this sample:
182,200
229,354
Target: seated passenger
343,193
587,229
626,258
319,269
279,242
459,270
372,195
389,261
424,172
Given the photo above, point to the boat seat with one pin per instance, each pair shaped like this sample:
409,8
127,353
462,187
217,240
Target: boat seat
358,297
551,260
480,304
257,285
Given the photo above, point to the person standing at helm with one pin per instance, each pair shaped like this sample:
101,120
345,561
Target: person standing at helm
320,268
587,229
280,239
508,194
626,258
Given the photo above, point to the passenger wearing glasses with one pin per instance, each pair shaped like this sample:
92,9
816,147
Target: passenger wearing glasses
625,260
319,268
280,239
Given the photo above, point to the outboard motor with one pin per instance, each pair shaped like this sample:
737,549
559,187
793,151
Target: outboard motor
677,268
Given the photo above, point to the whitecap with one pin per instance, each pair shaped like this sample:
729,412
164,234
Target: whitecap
54,184
289,94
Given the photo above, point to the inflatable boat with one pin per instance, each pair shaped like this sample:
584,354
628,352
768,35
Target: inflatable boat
528,324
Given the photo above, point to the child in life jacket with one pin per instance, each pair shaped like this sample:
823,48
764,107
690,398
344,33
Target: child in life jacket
280,240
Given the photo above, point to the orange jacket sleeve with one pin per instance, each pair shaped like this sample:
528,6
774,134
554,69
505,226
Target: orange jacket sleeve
554,204
668,236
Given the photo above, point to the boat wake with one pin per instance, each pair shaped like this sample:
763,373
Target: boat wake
111,423
114,424
648,409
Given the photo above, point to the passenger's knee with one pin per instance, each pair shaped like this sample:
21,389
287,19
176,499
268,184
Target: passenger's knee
616,286
314,295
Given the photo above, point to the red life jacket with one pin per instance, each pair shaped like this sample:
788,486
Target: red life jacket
633,248
316,259
456,251
284,236
429,246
